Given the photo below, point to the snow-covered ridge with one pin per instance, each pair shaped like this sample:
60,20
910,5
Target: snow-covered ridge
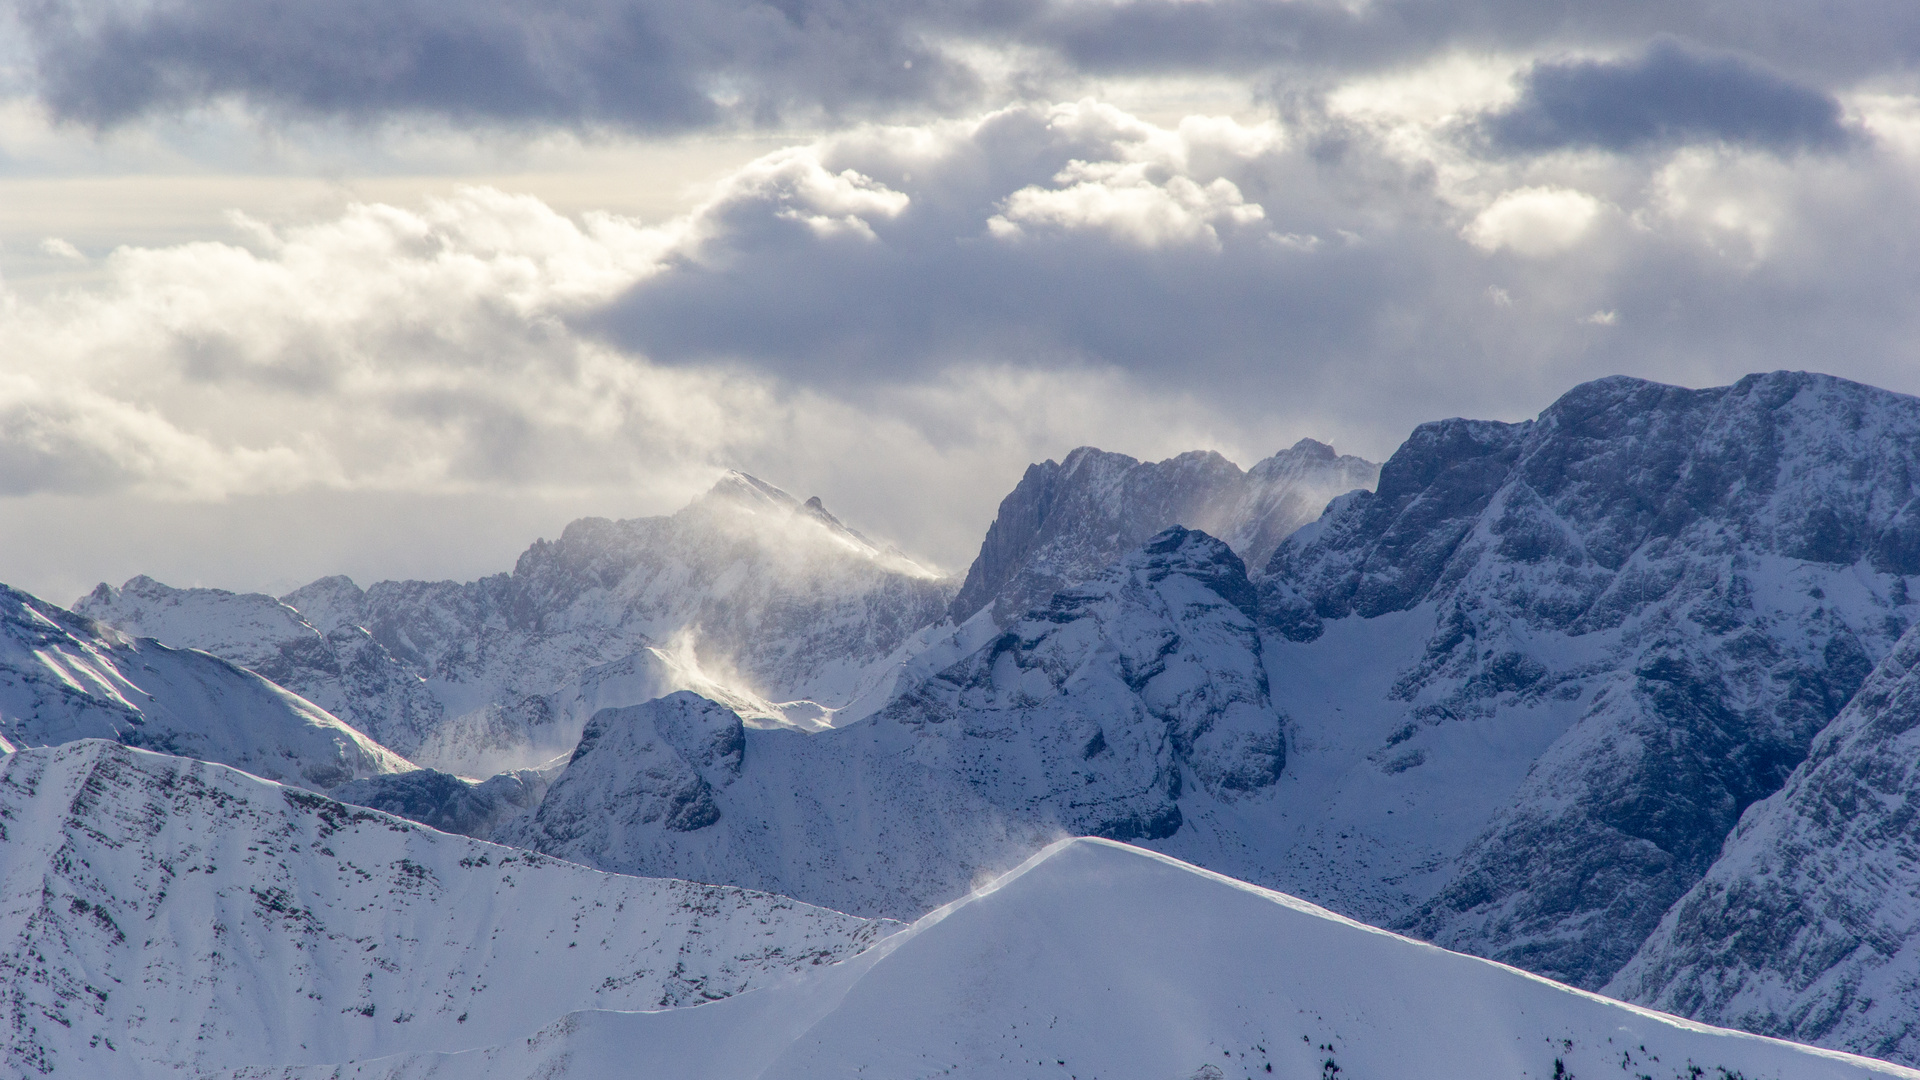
340,668
158,913
1099,960
1065,522
748,595
1099,713
64,677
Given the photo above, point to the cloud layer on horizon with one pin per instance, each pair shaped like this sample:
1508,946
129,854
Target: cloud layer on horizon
976,259
953,293
655,65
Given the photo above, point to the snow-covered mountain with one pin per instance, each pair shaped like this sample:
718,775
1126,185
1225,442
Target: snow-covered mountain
747,595
65,677
1807,927
341,669
1096,714
1099,960
1656,596
160,914
1526,688
1067,521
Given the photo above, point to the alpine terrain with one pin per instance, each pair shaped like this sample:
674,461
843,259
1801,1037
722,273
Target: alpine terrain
1622,696
65,677
1095,960
159,914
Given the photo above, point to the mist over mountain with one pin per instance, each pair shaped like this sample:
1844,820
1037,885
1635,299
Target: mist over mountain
747,594
1090,716
1065,522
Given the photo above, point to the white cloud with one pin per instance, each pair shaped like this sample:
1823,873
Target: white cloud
841,316
1534,221
1123,201
1158,187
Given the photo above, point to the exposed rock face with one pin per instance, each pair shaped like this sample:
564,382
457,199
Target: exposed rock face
1092,715
65,677
452,803
1806,928
167,917
1068,521
1708,574
338,667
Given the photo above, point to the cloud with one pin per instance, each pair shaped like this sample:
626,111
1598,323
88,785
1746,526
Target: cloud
1534,221
679,65
1667,94
845,316
428,353
1329,273
648,65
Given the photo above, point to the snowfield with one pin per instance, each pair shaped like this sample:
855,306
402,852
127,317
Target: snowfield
1098,961
161,916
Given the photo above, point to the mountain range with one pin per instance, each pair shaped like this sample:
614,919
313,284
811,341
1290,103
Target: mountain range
1619,695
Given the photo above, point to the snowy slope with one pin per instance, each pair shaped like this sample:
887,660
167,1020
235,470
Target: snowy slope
1096,960
1807,926
1660,595
1067,521
160,910
341,669
1098,714
64,677
747,594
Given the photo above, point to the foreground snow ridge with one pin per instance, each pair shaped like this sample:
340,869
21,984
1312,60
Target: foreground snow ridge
1099,960
161,916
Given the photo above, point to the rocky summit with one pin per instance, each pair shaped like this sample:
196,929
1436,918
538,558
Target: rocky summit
1066,521
1096,714
1703,577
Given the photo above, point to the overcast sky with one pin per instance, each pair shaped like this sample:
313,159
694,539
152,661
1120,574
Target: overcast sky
392,287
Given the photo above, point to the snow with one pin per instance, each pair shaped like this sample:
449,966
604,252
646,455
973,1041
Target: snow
748,595
340,668
63,677
159,913
1092,715
1097,960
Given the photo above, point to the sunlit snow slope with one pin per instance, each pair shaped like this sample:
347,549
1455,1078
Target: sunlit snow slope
1097,961
1098,714
65,677
155,910
748,595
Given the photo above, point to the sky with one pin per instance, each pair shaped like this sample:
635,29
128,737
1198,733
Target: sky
392,288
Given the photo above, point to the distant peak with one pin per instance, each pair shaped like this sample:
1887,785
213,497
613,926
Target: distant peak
1312,448
749,490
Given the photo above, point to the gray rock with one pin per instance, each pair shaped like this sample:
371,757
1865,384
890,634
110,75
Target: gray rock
1068,521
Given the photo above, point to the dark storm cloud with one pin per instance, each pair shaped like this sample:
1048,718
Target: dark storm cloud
1840,40
1668,94
646,65
678,64
1356,295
